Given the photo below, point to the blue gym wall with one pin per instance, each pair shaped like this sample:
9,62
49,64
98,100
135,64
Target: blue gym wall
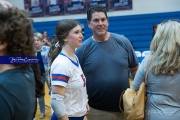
137,28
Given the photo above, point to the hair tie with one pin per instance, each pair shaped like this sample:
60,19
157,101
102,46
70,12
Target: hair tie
57,44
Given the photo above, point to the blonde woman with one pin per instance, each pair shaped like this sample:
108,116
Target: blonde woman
42,55
163,101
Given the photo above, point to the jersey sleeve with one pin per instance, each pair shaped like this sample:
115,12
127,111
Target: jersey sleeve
59,75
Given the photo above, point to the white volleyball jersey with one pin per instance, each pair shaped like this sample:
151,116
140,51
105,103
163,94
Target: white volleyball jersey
65,72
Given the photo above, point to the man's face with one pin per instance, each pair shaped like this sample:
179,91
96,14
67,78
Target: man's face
98,24
44,34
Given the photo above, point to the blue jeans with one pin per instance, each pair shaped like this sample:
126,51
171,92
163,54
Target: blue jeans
41,100
53,117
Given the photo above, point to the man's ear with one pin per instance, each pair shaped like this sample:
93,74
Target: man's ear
89,25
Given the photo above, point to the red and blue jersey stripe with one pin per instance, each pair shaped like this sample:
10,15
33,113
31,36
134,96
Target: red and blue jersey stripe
60,77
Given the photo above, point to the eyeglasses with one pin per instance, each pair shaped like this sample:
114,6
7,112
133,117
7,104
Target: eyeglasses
166,21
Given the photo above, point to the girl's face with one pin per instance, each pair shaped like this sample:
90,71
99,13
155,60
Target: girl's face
74,38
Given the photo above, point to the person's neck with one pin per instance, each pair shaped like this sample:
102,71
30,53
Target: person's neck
101,38
4,67
38,49
68,52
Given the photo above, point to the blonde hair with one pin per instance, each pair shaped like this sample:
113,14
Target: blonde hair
165,48
39,36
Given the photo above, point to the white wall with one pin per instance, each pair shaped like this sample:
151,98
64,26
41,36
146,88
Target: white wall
139,7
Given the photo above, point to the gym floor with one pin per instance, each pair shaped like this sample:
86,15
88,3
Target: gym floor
47,103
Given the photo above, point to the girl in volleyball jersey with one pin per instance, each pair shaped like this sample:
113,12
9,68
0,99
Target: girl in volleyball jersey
69,96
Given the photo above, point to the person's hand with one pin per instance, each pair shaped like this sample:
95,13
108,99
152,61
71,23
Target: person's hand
45,41
88,108
5,4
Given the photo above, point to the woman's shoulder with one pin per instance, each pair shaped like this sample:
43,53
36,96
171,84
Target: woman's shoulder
60,61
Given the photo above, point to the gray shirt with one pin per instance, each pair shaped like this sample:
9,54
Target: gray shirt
163,99
106,66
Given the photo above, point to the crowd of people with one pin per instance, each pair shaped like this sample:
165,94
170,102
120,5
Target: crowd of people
85,78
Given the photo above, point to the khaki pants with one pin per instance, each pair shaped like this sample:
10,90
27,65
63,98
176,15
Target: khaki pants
95,114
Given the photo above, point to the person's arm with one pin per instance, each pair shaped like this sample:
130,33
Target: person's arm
140,74
132,58
57,102
39,84
46,59
133,71
46,41
87,108
5,4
